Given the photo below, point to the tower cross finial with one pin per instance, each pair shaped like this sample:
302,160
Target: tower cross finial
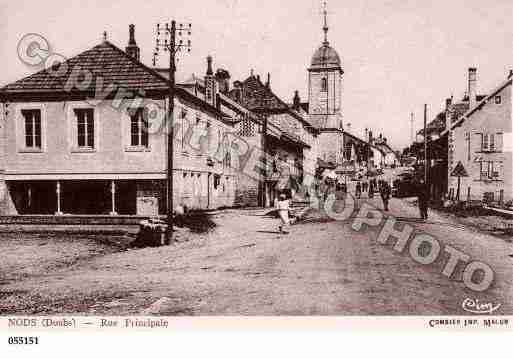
325,28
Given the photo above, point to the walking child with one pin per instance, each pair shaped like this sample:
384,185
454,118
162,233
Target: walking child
283,207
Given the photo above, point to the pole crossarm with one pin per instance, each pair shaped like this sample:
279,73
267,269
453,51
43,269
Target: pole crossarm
166,39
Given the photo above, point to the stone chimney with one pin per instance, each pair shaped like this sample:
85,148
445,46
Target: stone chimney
223,80
210,83
296,102
268,82
472,84
132,49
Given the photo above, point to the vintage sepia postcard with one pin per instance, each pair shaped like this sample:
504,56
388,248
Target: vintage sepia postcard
323,164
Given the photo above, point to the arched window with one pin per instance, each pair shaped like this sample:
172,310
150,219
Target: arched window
324,84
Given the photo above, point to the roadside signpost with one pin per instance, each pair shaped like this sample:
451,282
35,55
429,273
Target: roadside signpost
459,171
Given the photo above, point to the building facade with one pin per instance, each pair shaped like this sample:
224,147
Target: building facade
480,140
287,139
90,137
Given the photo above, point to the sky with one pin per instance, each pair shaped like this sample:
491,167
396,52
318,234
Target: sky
397,55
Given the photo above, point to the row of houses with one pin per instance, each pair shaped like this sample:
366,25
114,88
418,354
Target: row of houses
470,145
89,136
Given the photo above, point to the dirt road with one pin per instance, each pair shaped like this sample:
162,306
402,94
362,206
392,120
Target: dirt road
245,268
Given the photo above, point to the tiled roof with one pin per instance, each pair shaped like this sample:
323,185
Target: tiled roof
319,121
458,109
435,126
111,69
484,100
104,61
259,97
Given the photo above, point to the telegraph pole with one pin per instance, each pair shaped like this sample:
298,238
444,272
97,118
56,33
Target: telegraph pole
173,47
412,137
264,150
425,147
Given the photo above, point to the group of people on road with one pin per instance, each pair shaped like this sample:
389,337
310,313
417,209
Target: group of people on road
373,185
282,202
385,191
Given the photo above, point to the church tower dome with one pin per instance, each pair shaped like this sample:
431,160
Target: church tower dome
325,56
325,98
325,83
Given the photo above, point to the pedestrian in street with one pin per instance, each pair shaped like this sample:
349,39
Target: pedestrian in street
384,190
371,189
423,199
364,186
283,207
358,191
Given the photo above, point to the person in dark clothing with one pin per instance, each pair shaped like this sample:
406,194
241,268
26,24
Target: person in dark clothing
358,191
423,199
364,186
384,190
371,189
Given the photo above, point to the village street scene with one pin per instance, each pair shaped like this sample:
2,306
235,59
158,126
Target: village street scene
147,175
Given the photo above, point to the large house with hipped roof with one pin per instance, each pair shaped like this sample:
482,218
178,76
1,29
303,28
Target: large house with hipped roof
89,136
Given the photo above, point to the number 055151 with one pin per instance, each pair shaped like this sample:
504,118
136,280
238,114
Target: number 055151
23,340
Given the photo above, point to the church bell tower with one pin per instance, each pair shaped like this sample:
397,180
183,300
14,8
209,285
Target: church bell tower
325,84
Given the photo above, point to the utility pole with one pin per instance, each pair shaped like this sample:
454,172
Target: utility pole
170,44
264,150
412,130
425,147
